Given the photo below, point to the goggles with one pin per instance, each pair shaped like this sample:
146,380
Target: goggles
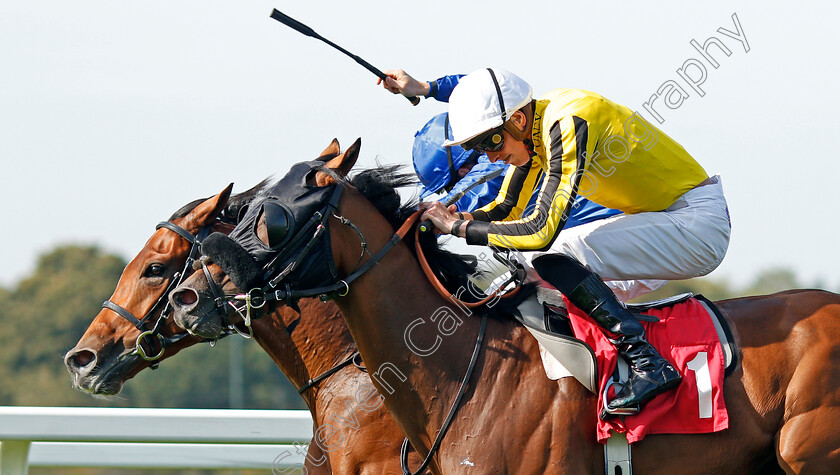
491,141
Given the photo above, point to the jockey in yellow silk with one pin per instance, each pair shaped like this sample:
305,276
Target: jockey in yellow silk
675,223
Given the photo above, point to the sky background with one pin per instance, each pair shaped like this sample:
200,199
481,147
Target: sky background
115,114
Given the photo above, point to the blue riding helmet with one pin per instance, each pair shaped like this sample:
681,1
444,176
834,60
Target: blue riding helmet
436,165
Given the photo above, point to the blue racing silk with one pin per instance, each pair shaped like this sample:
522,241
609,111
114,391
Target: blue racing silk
481,194
585,211
441,88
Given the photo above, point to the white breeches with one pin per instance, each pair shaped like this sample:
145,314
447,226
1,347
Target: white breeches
637,253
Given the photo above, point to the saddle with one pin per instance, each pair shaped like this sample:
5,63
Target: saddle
545,316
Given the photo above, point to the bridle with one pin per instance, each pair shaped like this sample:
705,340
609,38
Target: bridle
258,296
341,287
177,278
222,302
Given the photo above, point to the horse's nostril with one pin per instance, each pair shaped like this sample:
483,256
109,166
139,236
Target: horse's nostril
81,359
187,297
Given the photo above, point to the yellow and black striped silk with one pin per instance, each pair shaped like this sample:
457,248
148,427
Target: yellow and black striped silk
587,146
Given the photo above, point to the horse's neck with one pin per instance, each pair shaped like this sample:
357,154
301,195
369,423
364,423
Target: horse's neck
390,301
319,342
393,314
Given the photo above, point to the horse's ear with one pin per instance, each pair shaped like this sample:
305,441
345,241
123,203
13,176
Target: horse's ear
331,151
207,211
340,164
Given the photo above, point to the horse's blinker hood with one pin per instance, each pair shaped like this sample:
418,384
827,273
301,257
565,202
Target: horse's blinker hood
294,214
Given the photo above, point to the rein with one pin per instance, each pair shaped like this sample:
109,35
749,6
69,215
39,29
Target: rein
452,410
430,275
342,287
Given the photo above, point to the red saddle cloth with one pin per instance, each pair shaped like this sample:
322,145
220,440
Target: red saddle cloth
686,336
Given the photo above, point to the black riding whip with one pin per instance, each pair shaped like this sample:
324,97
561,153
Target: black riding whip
300,27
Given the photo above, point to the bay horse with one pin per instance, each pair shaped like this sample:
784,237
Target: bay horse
782,397
111,350
106,356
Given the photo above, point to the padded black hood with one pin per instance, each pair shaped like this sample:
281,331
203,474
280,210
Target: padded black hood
293,209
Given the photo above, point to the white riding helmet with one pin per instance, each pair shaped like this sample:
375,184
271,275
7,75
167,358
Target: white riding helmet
483,100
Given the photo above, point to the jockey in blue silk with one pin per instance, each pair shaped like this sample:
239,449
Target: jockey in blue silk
675,222
452,170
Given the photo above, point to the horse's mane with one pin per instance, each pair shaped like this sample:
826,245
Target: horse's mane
235,204
379,185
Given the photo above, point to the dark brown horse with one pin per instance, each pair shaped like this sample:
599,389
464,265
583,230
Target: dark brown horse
783,398
342,405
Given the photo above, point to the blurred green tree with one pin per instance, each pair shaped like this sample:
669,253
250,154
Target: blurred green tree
773,280
766,282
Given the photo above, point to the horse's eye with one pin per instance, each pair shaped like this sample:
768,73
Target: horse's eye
154,270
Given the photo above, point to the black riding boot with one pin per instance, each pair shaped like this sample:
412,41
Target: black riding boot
650,373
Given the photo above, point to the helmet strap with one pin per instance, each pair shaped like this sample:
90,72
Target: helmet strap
499,95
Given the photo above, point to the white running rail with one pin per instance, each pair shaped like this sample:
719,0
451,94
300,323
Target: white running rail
151,438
